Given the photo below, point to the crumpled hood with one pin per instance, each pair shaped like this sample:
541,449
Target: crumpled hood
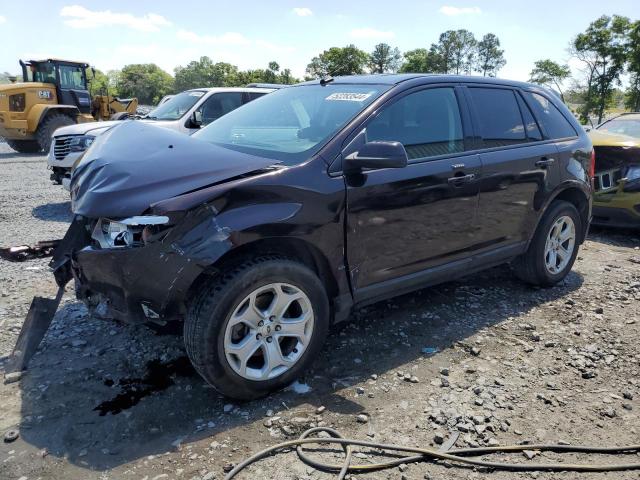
133,165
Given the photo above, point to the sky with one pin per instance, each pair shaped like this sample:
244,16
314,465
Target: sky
251,33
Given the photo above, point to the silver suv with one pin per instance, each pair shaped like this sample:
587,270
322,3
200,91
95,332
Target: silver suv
185,112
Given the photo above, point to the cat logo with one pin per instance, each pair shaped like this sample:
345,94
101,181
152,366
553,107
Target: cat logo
45,94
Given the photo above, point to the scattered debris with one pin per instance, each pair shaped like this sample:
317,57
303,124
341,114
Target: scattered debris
21,253
11,435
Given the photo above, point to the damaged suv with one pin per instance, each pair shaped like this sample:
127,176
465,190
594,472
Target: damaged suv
616,201
279,218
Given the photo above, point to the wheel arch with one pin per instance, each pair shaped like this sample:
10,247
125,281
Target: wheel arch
290,247
578,195
38,113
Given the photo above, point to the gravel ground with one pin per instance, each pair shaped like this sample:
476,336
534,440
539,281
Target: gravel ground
511,364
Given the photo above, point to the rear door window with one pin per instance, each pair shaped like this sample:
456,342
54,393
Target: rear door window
533,130
499,118
219,104
427,123
553,122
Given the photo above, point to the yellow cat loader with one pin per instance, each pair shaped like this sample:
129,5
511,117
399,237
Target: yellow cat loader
53,94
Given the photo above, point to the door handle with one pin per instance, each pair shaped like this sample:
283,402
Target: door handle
461,179
545,162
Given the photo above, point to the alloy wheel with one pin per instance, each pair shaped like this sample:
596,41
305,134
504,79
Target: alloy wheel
560,244
268,331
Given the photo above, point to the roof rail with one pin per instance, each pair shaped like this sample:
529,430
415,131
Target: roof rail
266,85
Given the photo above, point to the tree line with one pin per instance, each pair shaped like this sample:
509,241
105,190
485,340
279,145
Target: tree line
608,49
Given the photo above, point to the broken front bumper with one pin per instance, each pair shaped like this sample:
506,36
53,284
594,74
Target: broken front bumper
617,208
133,284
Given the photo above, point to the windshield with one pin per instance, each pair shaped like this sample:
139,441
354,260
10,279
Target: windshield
623,126
293,123
176,106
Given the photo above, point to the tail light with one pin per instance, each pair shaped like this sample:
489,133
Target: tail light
592,166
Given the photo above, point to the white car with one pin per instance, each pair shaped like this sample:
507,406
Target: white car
185,112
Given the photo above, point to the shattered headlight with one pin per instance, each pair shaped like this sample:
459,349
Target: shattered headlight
80,143
128,232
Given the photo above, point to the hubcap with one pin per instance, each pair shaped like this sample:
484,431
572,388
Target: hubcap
560,244
268,331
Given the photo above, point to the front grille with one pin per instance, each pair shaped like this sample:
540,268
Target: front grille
61,147
607,180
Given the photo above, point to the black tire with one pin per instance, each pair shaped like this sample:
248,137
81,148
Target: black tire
24,146
120,116
530,267
211,308
50,124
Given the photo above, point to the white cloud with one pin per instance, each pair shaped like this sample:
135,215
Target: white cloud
371,33
452,11
3,19
228,38
303,11
81,17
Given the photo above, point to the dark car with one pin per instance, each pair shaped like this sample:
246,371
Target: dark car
282,216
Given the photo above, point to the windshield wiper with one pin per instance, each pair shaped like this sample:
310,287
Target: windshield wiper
148,117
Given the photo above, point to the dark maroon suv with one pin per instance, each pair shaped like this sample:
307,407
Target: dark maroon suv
279,218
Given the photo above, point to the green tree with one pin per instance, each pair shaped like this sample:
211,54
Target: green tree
348,60
603,49
457,51
384,58
146,81
632,96
489,56
4,77
422,60
100,83
549,73
205,73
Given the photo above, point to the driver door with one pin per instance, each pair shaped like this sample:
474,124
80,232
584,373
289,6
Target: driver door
403,221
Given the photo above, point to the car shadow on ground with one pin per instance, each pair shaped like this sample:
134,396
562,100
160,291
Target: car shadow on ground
85,362
21,157
620,237
53,212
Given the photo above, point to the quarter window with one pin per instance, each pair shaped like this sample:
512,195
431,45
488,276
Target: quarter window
499,117
553,122
533,131
427,123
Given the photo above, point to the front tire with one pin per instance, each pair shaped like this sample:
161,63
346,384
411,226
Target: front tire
24,146
554,247
50,124
257,326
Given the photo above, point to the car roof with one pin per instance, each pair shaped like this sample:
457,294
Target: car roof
627,116
396,78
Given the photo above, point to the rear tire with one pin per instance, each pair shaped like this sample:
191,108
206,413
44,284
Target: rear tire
554,247
50,124
24,146
257,326
120,116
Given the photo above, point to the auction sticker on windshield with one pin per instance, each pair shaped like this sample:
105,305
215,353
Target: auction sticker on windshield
348,97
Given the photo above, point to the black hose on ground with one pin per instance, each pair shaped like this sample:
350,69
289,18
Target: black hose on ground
455,456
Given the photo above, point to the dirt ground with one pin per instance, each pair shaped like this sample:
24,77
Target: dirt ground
512,364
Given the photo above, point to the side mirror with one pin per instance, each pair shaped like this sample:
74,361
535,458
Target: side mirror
377,155
196,119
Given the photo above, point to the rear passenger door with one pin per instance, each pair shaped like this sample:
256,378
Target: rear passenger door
405,220
519,167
